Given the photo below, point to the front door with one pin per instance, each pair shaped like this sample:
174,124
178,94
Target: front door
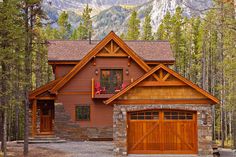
46,117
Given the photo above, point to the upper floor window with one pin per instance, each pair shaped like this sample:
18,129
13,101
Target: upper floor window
111,79
82,112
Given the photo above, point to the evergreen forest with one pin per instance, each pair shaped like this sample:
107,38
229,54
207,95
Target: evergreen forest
204,48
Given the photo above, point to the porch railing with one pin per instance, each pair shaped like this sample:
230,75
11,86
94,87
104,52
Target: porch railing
105,89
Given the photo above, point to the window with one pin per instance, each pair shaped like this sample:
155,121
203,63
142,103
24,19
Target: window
143,115
83,112
178,115
111,79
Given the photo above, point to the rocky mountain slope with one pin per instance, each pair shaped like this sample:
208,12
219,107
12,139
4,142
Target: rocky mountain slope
114,14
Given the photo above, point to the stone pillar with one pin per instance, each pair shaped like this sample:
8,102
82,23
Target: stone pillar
119,131
204,132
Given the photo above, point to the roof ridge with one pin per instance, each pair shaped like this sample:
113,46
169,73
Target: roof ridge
71,40
145,40
100,40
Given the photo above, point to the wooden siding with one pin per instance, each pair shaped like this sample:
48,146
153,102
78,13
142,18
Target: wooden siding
78,90
62,70
82,80
169,92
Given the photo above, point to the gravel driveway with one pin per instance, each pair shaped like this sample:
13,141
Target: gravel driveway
82,149
92,149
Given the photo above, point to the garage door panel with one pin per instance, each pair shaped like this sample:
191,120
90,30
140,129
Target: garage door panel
145,135
178,135
170,133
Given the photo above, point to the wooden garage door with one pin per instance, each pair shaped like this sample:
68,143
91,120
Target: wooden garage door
162,132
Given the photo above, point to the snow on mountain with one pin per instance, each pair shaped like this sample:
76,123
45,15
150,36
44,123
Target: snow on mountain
114,14
190,8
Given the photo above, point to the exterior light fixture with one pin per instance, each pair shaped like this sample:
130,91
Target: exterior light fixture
127,72
204,118
120,116
96,71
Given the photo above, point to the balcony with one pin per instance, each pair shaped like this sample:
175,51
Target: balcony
103,89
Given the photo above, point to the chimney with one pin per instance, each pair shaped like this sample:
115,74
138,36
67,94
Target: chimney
89,37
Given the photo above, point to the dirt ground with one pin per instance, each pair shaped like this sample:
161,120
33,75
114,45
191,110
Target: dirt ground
76,149
68,149
16,150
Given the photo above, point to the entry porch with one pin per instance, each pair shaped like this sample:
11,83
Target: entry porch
42,117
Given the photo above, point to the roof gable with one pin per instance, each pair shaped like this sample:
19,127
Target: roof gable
111,44
112,49
167,77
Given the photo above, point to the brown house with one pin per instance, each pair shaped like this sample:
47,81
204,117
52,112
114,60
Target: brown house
122,91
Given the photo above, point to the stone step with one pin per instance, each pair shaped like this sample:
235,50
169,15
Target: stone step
41,141
44,138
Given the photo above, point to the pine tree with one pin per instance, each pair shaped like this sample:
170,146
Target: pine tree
85,26
32,10
64,26
147,28
165,30
82,32
160,32
133,27
87,22
122,36
175,38
74,35
10,38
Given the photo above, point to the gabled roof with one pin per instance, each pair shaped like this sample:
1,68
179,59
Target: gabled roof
75,50
151,72
111,36
43,88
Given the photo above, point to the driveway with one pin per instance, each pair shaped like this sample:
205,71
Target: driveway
227,152
104,149
82,149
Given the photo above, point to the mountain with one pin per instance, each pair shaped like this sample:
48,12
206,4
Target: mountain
116,19
113,15
190,8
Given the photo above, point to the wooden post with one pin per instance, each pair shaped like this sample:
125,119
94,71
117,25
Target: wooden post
34,110
161,74
92,87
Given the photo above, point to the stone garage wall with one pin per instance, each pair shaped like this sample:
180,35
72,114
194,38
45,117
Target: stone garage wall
120,125
66,129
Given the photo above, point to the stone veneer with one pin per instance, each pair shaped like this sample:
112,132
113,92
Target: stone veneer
65,128
120,123
37,121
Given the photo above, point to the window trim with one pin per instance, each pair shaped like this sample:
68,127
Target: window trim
82,105
185,113
111,68
152,116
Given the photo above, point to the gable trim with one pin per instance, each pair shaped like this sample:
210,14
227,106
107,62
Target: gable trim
93,52
162,101
33,94
208,95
